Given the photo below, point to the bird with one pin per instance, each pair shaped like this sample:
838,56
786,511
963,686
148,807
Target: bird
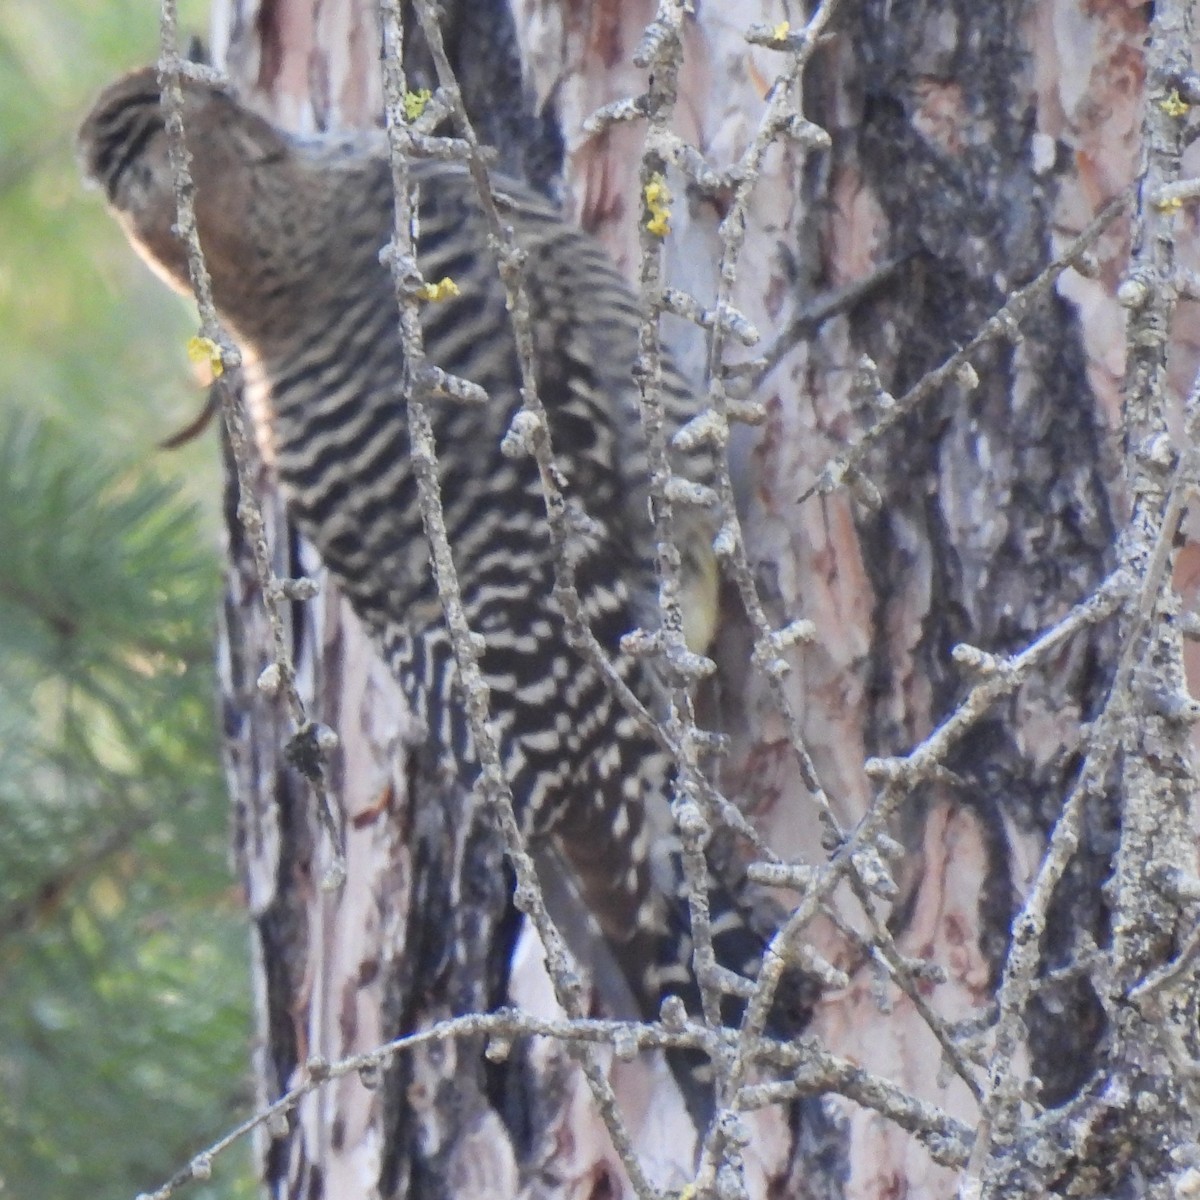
292,229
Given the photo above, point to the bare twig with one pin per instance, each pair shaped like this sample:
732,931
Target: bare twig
311,743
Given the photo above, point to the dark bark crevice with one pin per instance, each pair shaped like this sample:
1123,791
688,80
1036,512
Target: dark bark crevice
998,502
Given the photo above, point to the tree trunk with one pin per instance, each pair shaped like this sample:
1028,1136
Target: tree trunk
969,145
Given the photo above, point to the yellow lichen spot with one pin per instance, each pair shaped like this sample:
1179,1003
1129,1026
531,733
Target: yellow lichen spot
203,350
658,201
1169,205
781,31
444,289
1174,105
414,103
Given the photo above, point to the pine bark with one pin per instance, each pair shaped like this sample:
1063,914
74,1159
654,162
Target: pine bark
969,144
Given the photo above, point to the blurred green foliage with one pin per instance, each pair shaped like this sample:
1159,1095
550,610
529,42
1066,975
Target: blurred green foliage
124,1021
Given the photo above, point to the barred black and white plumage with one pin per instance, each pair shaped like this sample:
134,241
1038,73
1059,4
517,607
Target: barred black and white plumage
292,231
